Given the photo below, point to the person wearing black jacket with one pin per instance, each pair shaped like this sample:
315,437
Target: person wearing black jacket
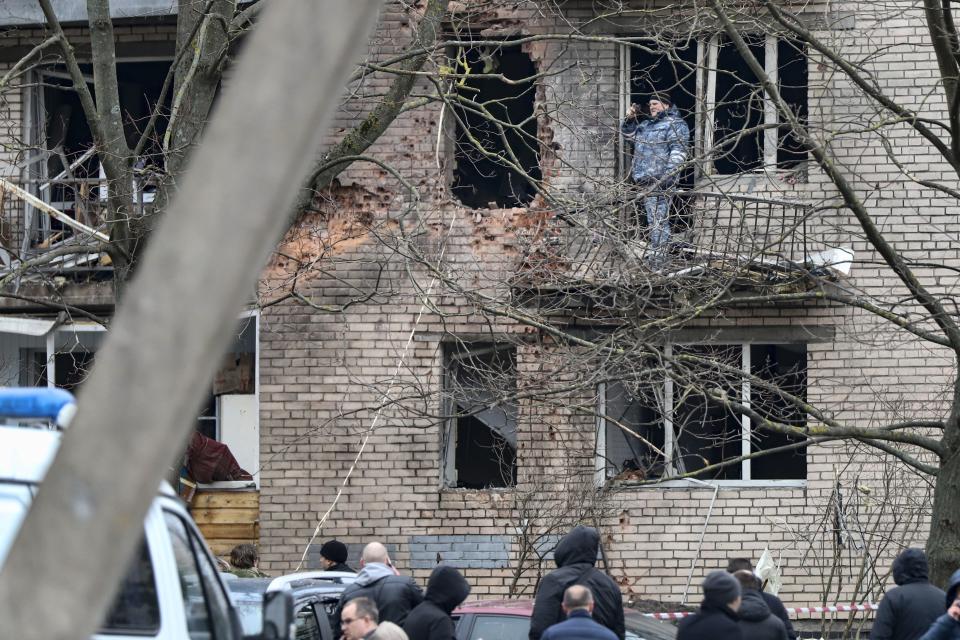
756,621
717,617
908,610
430,620
394,595
333,556
773,602
947,626
576,555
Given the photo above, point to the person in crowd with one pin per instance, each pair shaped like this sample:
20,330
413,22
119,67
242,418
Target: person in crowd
389,631
394,595
243,562
333,556
756,620
359,619
773,602
947,626
908,610
576,555
659,151
717,617
579,625
430,620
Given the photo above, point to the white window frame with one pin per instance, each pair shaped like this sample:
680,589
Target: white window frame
34,131
708,48
669,434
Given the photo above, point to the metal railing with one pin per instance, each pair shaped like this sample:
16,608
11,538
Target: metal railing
605,240
40,215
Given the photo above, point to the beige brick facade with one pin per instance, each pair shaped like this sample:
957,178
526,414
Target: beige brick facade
359,391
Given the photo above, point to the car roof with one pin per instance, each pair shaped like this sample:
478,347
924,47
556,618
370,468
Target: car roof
518,607
643,625
26,453
300,584
333,579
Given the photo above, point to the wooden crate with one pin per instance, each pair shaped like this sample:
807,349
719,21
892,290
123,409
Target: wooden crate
227,518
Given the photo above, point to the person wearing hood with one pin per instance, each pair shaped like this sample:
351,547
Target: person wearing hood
576,555
717,617
947,626
394,595
757,622
908,610
333,556
430,620
773,602
659,151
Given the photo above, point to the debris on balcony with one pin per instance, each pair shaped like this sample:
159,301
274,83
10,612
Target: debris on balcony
65,231
742,241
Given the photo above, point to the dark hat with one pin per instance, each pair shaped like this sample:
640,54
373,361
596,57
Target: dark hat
720,588
334,550
663,97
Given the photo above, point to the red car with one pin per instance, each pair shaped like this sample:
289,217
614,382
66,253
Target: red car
510,620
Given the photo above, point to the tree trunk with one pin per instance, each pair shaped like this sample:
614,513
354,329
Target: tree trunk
943,544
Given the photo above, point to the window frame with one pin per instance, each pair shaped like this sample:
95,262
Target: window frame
35,171
669,434
449,476
702,134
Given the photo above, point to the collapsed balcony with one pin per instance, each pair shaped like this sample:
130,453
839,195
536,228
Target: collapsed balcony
62,219
735,241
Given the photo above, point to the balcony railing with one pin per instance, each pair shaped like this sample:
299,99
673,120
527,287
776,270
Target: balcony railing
44,215
726,234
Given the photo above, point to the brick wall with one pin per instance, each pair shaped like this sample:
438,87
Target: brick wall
315,418
370,376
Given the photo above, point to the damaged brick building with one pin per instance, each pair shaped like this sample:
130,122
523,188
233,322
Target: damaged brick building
462,349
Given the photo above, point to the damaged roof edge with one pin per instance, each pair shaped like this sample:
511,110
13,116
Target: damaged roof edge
19,13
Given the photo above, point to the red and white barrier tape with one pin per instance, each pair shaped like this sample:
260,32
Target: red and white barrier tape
676,615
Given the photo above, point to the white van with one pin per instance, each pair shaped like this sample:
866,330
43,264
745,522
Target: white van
172,590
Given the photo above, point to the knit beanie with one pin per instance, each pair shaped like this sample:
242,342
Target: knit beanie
720,588
334,550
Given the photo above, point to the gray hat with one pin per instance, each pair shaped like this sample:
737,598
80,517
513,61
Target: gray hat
720,588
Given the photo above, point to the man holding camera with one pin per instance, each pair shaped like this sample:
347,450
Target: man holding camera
659,151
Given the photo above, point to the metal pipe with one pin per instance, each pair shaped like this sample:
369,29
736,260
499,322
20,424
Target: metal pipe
703,532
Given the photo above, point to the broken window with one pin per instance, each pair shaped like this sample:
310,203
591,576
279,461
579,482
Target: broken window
235,377
496,153
230,412
68,175
669,425
480,445
68,357
721,99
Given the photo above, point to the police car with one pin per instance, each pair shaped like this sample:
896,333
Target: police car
172,590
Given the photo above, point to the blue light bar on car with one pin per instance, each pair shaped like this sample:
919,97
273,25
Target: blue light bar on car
47,403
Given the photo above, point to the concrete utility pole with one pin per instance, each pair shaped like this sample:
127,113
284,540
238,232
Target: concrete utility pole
140,402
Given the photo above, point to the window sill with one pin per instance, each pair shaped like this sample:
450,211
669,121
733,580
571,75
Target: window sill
783,178
467,490
710,484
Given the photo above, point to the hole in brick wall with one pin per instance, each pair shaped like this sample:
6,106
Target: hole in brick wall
481,436
497,152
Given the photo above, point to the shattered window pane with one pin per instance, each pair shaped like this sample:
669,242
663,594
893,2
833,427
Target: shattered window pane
497,152
700,399
482,430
